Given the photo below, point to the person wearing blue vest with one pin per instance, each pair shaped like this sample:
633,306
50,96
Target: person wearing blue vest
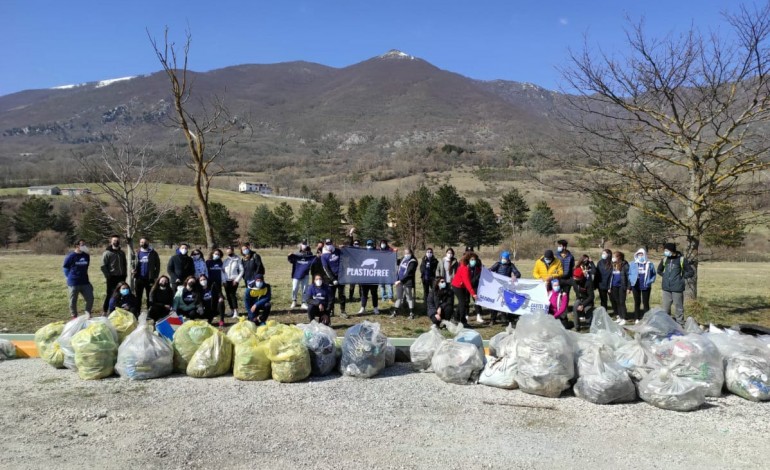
641,275
319,300
257,299
567,265
330,260
301,261
674,269
504,267
146,270
75,269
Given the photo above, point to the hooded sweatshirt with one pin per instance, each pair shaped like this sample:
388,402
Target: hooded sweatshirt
643,273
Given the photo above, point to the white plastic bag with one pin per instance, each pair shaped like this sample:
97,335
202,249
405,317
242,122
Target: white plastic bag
696,358
144,354
655,326
457,363
607,330
319,340
636,359
7,350
494,343
545,356
601,380
363,350
692,327
499,372
748,376
422,350
664,389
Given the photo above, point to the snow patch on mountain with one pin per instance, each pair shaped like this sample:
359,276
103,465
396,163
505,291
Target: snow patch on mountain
104,83
396,54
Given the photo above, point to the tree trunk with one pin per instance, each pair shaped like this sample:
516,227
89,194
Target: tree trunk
691,291
203,209
131,262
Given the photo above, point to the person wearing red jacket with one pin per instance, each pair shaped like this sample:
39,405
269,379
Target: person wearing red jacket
462,286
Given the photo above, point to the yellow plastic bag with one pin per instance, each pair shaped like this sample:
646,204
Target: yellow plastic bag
251,361
271,328
213,358
289,358
95,351
123,321
242,331
47,347
187,339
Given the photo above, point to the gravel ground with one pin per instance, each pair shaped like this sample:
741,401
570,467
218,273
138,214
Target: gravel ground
400,419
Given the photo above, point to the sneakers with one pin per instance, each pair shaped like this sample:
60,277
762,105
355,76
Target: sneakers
361,311
411,316
84,313
376,311
621,322
235,313
343,315
479,319
393,315
293,305
617,320
636,322
304,305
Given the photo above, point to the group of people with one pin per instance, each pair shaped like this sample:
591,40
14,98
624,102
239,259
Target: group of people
205,287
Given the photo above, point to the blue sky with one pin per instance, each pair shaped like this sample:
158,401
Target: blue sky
52,43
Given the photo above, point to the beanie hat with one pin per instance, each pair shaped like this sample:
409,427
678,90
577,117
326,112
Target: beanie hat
505,255
548,254
670,247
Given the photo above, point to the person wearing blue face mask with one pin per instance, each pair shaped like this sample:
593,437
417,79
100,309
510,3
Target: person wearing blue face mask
123,298
641,276
252,263
257,300
674,270
506,268
404,286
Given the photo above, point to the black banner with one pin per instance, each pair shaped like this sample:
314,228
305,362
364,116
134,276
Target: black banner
362,266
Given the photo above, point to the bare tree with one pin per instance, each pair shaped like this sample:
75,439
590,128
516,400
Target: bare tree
207,131
127,177
676,127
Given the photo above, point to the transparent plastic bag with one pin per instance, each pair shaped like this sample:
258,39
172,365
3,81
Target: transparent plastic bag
606,330
422,350
692,327
214,357
507,346
144,354
123,321
655,326
466,335
363,350
390,354
545,356
319,340
457,363
748,376
666,390
601,380
636,358
499,372
96,350
187,339
64,340
251,361
696,358
241,331
7,350
289,358
494,343
47,348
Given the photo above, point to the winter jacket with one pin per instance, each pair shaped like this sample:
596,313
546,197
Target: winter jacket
475,274
315,295
543,272
216,271
252,265
331,264
584,295
200,267
232,269
126,302
623,271
148,265
316,268
301,262
674,270
259,296
567,263
603,275
506,269
207,300
462,279
159,298
406,271
443,272
428,268
643,272
75,268
114,263
439,298
557,303
179,268
186,301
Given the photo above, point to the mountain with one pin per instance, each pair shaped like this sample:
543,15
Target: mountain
390,103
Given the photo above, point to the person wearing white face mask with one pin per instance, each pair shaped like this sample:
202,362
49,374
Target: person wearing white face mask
506,268
161,298
386,290
199,263
232,273
318,298
448,266
428,268
603,280
257,299
114,268
619,287
440,303
404,285
674,270
146,270
75,269
213,303
180,266
641,276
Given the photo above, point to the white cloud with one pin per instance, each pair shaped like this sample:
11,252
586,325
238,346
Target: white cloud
563,21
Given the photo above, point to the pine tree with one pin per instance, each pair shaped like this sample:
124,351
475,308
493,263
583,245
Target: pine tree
33,216
5,227
610,218
190,226
542,220
63,224
490,229
170,229
447,216
374,222
353,212
286,232
515,213
471,231
263,227
307,220
648,231
726,229
410,216
224,225
363,204
329,221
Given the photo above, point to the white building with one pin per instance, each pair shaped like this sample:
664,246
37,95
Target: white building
261,188
43,191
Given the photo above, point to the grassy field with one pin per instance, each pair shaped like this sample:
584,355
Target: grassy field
33,292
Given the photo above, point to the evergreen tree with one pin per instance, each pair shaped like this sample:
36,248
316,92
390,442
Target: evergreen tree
263,227
190,226
224,224
363,204
471,231
170,229
542,220
286,231
329,220
353,212
32,216
374,222
5,227
648,231
490,234
610,218
514,211
307,221
63,224
447,213
726,229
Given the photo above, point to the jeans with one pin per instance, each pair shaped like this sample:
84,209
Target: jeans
641,299
618,299
298,286
260,314
87,290
677,298
386,292
142,287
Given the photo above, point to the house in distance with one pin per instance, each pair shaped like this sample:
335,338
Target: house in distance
260,188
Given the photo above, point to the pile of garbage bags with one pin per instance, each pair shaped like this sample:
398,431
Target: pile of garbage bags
545,356
144,354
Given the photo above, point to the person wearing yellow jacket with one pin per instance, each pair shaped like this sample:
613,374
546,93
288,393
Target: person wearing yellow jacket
547,267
